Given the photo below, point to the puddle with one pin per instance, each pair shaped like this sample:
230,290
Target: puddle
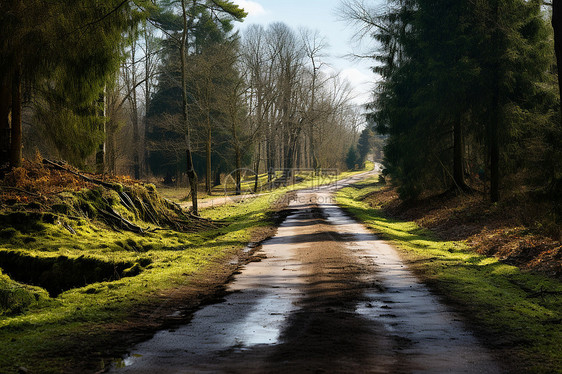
438,341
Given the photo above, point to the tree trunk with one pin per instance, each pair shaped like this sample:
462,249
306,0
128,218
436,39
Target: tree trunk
237,172
208,159
100,155
257,168
493,126
192,178
5,104
269,154
458,156
16,133
557,26
136,138
147,71
191,174
217,181
134,107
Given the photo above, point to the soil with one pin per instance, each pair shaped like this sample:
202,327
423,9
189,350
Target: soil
510,231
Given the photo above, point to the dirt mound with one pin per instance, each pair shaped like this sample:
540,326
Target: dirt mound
46,187
513,231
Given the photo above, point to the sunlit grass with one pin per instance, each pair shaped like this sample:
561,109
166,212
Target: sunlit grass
174,260
302,180
521,311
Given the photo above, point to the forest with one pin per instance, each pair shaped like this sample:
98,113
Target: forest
183,189
469,96
169,90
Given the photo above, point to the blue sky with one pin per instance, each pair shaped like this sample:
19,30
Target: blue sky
318,15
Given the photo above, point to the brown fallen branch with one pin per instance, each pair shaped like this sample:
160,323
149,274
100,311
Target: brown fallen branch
20,190
123,223
86,178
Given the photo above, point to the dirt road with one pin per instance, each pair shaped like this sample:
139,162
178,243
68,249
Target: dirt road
328,298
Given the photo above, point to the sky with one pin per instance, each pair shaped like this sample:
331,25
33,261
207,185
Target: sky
318,15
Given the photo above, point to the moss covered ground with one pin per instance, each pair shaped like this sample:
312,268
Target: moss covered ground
88,281
517,313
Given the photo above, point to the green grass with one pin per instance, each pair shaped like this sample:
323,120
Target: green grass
502,302
307,180
34,330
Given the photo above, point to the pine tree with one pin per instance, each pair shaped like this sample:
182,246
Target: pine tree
68,51
365,145
452,69
189,29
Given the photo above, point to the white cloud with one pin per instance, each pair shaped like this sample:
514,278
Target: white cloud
362,82
253,8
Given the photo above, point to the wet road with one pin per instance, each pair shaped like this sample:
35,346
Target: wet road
328,298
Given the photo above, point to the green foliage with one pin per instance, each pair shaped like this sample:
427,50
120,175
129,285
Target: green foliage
365,144
211,55
67,54
476,68
59,123
352,160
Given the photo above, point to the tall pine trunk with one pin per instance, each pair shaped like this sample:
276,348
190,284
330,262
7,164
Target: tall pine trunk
458,156
493,126
208,145
557,26
100,154
16,131
136,137
191,174
5,104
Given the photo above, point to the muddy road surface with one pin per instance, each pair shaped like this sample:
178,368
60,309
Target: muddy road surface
328,297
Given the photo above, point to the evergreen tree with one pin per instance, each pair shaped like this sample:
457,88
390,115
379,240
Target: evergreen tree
452,69
66,51
190,29
352,158
365,145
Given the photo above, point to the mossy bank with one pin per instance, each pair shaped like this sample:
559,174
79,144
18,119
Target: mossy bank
77,285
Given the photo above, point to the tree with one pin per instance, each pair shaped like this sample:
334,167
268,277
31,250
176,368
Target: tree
187,29
452,70
365,144
297,112
63,53
352,158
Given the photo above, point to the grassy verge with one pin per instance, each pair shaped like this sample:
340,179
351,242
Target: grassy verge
518,313
308,180
76,329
